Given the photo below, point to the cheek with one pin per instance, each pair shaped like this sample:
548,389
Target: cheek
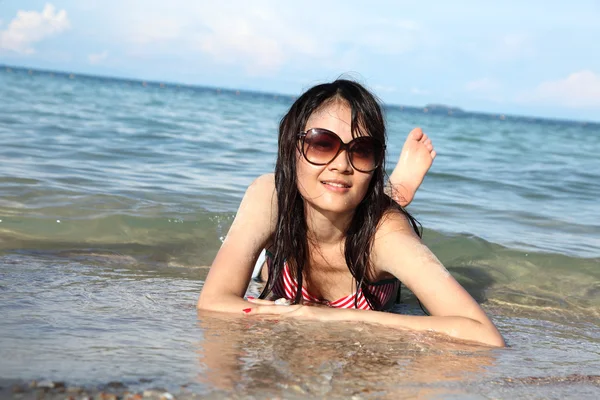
304,169
304,176
300,168
363,185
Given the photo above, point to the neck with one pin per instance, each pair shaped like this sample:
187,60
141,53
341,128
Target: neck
326,227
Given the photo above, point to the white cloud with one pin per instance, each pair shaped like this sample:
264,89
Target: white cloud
97,58
241,38
262,39
263,36
251,35
578,90
30,27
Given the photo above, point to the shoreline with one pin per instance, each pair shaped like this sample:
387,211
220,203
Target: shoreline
115,390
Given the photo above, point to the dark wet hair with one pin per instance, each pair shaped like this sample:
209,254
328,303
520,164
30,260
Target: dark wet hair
290,238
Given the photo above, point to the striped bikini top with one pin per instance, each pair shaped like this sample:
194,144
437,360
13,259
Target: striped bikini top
286,286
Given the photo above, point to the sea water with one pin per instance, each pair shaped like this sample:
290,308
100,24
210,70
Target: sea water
115,196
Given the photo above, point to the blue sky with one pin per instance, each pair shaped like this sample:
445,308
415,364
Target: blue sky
530,58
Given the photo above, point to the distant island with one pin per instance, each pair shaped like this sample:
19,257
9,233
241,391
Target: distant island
443,108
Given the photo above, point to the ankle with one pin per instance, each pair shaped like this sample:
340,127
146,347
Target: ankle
400,193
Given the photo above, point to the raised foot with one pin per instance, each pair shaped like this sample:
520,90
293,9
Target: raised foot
415,160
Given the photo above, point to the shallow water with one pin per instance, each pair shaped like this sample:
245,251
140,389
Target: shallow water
114,198
139,326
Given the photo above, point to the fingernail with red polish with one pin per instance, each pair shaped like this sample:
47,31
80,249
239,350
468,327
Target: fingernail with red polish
251,298
246,310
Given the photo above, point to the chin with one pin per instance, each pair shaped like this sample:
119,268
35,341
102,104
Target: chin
336,206
328,202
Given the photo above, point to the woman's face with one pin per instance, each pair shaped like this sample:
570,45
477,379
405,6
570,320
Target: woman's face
337,186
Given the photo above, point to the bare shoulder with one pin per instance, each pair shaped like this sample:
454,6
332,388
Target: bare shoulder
394,221
263,185
265,181
249,233
261,193
259,205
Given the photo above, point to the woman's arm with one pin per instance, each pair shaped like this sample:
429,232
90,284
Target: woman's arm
230,273
397,250
454,326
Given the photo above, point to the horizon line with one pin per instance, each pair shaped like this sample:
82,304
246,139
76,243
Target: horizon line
458,110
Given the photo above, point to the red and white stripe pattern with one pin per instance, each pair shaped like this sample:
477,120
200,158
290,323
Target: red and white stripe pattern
286,287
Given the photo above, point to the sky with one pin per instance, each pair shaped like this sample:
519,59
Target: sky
538,58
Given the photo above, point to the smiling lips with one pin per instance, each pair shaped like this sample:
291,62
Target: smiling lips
337,186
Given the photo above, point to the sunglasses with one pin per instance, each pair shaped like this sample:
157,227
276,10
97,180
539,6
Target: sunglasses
320,146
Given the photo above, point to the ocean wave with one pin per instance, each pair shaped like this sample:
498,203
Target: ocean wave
490,272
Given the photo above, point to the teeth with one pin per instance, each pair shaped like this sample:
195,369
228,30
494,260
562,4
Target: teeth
335,184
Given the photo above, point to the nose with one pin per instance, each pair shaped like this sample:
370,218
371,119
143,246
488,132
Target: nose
341,162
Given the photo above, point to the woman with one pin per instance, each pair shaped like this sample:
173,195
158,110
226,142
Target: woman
335,238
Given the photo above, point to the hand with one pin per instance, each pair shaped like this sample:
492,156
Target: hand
267,307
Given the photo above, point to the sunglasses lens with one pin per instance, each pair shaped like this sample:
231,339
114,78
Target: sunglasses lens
320,147
362,155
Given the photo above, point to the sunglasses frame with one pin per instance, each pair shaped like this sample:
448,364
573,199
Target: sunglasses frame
343,146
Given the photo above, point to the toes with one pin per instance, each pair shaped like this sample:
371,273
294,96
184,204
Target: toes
433,154
416,134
